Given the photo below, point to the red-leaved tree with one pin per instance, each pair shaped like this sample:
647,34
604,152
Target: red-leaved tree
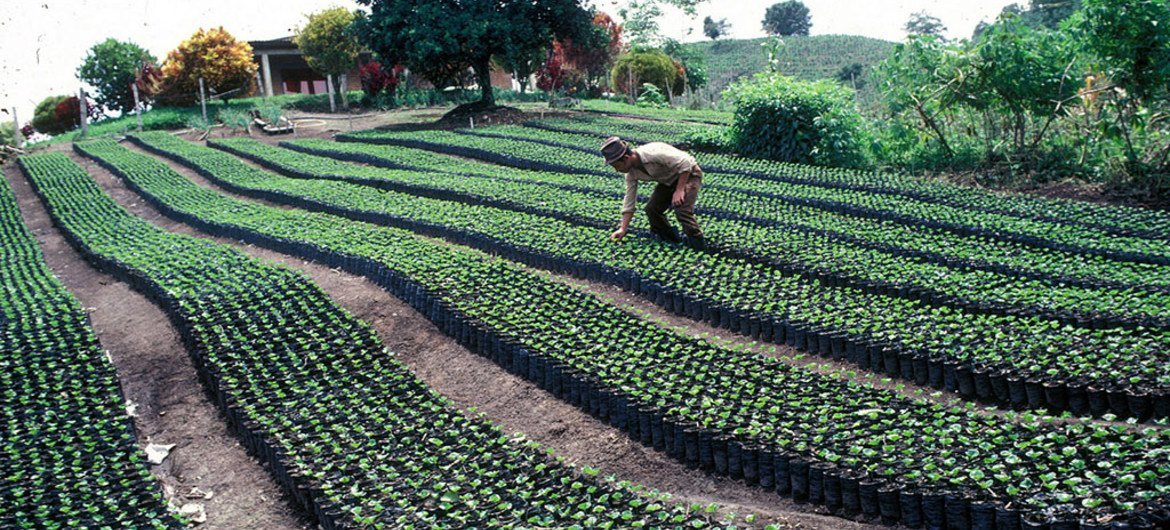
68,112
594,56
551,75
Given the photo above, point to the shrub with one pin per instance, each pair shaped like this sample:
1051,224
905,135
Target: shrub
224,63
376,80
782,118
45,115
646,66
651,96
709,140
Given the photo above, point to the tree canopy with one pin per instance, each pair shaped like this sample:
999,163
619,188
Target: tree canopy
787,18
110,68
714,29
922,23
438,38
328,43
224,63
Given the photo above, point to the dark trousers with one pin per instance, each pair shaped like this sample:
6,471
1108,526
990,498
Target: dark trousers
660,202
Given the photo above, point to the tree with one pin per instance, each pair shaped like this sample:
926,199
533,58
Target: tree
523,64
1050,13
455,35
110,68
328,44
224,63
640,19
851,76
714,29
787,18
595,55
921,23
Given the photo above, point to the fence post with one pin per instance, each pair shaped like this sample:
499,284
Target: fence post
137,105
16,129
84,112
329,89
203,103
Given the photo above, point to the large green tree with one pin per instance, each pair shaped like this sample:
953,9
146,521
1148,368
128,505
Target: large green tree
787,18
110,67
328,43
437,37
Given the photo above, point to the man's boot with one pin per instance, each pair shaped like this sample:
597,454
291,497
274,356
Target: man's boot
696,242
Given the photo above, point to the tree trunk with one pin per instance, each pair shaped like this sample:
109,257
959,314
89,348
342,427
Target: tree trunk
483,76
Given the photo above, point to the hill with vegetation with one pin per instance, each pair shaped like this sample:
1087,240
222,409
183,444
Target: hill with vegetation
814,57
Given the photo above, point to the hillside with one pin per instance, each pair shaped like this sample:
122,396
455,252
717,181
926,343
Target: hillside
815,57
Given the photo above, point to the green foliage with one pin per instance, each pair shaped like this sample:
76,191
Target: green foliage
781,118
45,116
328,43
650,96
432,39
234,118
709,139
787,18
7,134
110,67
1132,44
691,60
643,66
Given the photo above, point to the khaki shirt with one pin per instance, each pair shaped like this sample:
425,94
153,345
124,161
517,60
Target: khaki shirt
663,163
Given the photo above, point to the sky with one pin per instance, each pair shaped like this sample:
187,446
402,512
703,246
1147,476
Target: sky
42,42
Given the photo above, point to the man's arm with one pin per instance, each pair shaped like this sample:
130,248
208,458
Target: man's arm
680,188
629,204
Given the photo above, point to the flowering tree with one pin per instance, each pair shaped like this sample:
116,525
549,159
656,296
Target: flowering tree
224,63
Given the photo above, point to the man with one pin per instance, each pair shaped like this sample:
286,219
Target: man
678,176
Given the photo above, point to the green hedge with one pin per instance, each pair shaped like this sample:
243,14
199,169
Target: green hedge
782,118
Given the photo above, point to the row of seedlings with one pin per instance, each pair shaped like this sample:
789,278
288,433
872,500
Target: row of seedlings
1012,259
813,255
542,154
1005,360
1115,219
602,107
68,452
817,437
349,432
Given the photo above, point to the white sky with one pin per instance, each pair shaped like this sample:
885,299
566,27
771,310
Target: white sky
42,42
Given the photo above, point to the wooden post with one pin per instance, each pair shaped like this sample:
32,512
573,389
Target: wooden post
329,89
84,112
260,85
137,105
203,103
16,129
343,88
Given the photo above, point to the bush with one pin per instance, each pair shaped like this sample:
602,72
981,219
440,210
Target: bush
781,118
646,66
45,116
709,140
651,96
224,63
7,134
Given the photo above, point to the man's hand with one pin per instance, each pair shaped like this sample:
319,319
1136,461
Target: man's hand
618,235
679,196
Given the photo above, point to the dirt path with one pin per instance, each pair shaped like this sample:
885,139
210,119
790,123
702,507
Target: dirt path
509,401
157,375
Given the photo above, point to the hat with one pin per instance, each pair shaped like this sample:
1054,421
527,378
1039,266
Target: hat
614,149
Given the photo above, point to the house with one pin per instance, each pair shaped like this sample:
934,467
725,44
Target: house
283,70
